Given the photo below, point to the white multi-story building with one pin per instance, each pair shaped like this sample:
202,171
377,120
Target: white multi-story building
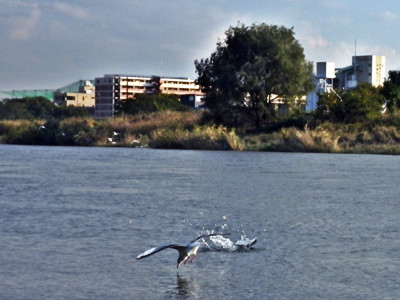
116,87
364,68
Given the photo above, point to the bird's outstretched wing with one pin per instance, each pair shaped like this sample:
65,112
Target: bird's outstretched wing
210,234
158,249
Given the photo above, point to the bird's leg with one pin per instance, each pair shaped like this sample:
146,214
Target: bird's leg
193,258
186,259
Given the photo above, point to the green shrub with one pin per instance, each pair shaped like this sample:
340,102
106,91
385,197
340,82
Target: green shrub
143,103
27,133
77,131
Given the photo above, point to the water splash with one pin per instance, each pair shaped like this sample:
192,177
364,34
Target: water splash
221,243
245,243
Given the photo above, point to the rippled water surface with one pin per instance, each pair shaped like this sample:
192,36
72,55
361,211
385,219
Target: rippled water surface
73,220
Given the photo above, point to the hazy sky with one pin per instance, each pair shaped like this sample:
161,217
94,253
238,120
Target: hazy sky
49,43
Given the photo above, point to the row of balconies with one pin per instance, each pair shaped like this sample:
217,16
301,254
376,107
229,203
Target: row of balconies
162,84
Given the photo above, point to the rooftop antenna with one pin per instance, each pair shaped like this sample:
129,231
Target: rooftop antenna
355,59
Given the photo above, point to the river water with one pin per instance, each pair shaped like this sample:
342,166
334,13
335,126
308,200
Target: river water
73,220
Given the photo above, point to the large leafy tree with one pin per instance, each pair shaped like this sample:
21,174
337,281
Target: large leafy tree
249,69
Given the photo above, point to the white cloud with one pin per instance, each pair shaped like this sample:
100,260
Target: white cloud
337,5
316,42
20,19
310,37
388,16
71,10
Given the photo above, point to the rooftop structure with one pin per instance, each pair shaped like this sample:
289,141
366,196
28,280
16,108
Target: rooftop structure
323,83
47,93
79,86
74,87
80,93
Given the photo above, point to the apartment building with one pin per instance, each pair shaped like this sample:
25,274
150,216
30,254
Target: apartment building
365,68
112,88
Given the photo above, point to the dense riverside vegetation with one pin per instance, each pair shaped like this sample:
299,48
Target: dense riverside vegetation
167,129
24,121
297,131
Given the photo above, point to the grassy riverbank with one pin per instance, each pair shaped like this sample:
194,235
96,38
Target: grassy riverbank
167,130
185,130
328,138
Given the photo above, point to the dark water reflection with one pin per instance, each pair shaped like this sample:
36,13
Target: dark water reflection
186,288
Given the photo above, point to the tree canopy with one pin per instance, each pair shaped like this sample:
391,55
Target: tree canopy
249,69
358,105
391,91
143,103
37,108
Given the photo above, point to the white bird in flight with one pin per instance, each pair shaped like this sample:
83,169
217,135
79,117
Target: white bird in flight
185,252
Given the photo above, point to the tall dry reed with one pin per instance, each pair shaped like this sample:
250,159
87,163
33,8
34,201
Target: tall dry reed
199,138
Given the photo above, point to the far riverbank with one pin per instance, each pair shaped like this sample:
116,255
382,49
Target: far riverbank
183,130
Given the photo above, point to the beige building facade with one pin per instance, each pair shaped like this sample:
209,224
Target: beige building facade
371,69
113,88
84,96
